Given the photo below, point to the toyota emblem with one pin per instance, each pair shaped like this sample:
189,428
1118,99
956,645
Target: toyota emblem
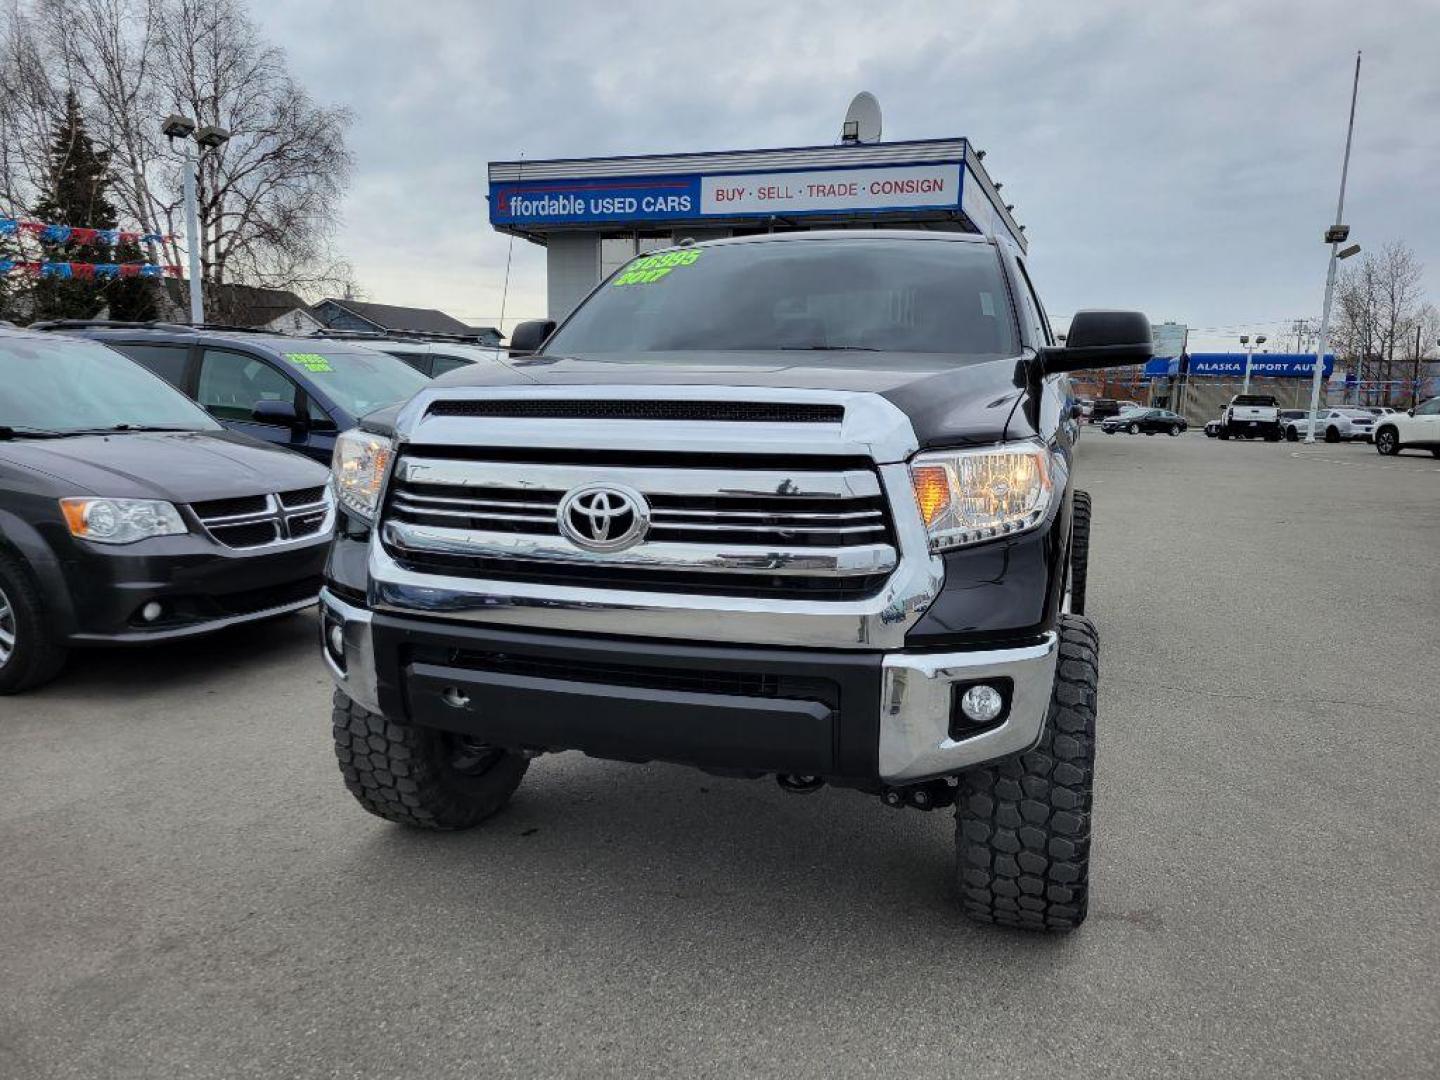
604,517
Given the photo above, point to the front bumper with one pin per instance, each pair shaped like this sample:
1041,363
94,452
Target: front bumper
200,586
856,717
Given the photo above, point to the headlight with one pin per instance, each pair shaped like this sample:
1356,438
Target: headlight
969,496
358,470
121,521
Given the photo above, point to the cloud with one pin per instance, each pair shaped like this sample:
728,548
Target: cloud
1179,157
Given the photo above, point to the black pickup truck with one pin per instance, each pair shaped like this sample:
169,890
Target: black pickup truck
796,505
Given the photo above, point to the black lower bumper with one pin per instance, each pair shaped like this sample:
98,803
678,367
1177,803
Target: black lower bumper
198,590
810,712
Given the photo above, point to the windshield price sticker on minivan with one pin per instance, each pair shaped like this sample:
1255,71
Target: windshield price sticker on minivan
310,361
655,267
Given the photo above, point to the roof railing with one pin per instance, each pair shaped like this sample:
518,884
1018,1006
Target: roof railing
408,335
114,324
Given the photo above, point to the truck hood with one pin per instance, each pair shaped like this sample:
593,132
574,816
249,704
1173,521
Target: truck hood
949,402
178,466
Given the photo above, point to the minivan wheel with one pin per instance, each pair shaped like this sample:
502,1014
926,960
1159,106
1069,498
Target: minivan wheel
28,654
1387,441
1022,824
420,776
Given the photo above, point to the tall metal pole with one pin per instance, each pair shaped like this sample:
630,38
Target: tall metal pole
1330,274
1249,353
192,236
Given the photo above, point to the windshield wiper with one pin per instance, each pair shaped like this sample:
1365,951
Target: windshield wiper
828,348
126,427
10,431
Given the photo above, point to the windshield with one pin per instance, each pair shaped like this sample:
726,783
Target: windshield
53,383
912,296
357,379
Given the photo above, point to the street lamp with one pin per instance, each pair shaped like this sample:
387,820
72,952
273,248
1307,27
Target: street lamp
208,137
1336,235
1249,352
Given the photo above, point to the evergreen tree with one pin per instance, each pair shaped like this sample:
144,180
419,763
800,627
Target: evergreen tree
77,195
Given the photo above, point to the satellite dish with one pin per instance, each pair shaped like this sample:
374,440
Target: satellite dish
862,120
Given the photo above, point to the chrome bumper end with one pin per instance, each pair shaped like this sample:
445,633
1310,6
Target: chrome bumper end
353,668
915,704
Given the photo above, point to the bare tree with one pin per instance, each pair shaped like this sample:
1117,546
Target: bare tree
1379,303
268,199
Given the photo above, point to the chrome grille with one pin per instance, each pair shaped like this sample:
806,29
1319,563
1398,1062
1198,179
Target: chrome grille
770,530
257,521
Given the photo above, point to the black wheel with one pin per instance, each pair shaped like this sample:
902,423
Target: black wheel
1272,436
1079,550
1224,433
1292,435
1133,429
1387,441
29,656
420,776
1174,429
1435,451
1022,825
1332,434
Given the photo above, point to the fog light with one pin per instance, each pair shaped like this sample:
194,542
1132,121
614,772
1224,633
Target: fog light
337,640
981,703
151,611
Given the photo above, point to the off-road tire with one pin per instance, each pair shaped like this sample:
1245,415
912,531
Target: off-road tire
36,657
1387,441
1079,550
406,774
1022,825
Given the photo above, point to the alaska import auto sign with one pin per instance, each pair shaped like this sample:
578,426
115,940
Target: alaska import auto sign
663,198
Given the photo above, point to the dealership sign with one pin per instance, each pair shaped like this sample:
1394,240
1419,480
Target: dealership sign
785,194
1232,365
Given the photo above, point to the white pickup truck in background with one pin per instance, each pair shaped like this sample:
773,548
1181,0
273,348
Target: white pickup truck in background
1249,416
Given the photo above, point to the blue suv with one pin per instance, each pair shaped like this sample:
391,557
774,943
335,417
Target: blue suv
298,393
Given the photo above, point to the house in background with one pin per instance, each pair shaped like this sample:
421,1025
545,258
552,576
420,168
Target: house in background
364,317
279,310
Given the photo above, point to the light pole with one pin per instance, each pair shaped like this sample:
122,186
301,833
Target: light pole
1249,355
1334,236
208,137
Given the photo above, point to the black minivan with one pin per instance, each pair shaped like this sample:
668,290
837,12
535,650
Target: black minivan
298,393
128,516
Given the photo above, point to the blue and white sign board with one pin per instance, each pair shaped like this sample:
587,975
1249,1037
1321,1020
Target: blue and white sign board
1262,365
931,186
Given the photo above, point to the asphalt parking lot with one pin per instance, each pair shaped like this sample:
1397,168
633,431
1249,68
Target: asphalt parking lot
186,889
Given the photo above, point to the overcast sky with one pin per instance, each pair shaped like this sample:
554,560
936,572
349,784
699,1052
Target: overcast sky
1183,158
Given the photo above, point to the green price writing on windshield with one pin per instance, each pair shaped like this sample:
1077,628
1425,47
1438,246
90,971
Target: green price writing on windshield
309,361
654,267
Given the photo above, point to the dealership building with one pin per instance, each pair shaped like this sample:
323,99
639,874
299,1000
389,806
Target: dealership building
594,214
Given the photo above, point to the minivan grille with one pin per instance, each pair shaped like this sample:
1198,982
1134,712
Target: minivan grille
256,521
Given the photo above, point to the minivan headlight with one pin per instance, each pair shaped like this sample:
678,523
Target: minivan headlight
121,521
357,470
970,496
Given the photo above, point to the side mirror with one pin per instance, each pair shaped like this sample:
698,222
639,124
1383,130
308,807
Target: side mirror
279,413
529,336
1409,412
1100,339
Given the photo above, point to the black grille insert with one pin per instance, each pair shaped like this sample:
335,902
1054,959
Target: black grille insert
221,508
303,497
751,412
